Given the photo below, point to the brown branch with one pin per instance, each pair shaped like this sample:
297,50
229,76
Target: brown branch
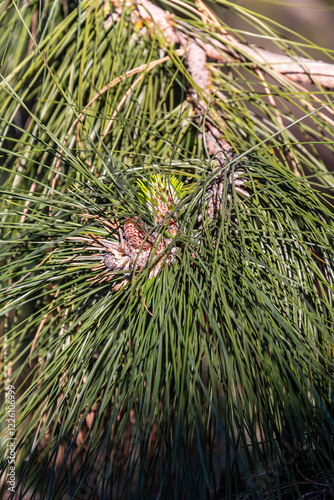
223,47
297,69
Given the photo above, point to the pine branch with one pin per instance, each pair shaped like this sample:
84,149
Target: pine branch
223,45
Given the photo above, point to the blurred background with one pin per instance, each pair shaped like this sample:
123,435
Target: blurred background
312,19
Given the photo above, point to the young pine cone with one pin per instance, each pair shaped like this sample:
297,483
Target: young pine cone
139,246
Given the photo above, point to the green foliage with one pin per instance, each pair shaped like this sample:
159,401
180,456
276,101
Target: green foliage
213,379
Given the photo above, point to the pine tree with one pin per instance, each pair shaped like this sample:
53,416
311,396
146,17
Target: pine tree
167,254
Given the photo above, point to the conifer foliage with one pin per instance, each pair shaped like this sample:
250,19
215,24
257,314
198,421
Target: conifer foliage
167,255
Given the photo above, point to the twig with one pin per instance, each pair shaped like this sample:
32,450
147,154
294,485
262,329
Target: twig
144,67
36,336
142,297
122,101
